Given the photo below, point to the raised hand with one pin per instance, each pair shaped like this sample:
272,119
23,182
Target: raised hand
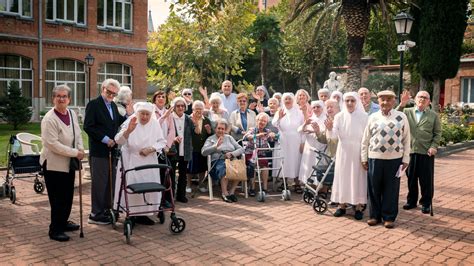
208,128
316,127
405,98
203,91
329,124
220,140
132,125
281,113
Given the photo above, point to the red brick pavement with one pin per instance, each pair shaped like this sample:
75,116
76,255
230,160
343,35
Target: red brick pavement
274,232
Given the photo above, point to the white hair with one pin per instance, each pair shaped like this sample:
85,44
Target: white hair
198,103
123,94
110,82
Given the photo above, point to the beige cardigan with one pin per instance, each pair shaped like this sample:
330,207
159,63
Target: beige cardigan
57,141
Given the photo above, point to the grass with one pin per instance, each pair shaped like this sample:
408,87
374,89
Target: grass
34,128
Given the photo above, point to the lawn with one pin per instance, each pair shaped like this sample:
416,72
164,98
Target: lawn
33,128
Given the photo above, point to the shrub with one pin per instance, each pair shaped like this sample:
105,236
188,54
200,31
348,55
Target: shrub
15,109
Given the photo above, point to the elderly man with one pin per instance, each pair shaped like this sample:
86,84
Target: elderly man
369,106
425,129
385,154
323,94
229,99
101,123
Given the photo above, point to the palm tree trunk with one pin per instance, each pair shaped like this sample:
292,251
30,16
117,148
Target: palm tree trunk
356,17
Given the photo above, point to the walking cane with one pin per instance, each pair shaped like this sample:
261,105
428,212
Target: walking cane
432,192
110,179
81,234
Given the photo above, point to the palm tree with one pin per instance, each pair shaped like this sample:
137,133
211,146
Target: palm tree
356,16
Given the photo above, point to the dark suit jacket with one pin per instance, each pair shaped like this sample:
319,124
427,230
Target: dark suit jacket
98,124
188,137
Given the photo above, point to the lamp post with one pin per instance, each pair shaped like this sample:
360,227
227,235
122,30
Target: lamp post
89,61
403,23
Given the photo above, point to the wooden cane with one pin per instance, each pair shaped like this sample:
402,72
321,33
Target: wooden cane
110,178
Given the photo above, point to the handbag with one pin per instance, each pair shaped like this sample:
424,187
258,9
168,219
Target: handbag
74,164
236,169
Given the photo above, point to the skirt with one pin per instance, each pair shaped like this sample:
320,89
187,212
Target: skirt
218,170
198,164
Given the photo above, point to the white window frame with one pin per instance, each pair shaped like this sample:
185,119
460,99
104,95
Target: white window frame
124,2
470,89
20,9
65,20
21,79
114,75
67,82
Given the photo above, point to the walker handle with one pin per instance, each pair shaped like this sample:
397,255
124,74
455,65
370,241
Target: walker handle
149,166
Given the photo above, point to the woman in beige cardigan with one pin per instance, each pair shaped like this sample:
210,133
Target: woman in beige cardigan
59,146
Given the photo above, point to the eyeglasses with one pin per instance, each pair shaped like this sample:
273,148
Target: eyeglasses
317,106
61,97
179,106
110,93
423,97
350,101
187,94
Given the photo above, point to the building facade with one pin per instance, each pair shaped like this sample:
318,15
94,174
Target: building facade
44,43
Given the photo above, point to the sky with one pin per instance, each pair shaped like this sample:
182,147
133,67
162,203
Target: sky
159,11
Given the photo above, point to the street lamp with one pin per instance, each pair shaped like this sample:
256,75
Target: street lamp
403,23
89,61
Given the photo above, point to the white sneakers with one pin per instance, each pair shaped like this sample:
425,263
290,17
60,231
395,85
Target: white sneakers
189,190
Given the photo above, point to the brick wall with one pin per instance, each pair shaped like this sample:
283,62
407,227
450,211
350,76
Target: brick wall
453,86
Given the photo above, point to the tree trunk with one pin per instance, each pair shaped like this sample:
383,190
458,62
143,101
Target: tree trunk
436,93
263,66
422,84
356,17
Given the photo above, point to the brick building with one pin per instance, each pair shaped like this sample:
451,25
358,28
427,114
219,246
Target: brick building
45,42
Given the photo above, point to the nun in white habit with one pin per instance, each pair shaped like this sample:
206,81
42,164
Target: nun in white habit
140,137
287,120
308,158
350,178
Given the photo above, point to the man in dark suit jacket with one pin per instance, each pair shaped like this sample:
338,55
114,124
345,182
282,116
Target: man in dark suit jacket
184,149
101,123
425,130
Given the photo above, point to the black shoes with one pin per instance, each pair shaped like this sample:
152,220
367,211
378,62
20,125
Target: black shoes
182,199
58,236
339,212
358,215
409,206
99,219
226,198
252,193
70,226
233,198
425,209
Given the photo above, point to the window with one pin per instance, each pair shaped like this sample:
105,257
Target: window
115,14
69,72
22,8
467,90
69,11
16,68
120,72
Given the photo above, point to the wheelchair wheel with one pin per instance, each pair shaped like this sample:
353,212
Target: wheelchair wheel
261,196
308,197
38,186
286,194
127,230
161,217
320,206
13,194
177,225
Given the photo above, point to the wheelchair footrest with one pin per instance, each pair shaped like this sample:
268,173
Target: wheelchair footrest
146,187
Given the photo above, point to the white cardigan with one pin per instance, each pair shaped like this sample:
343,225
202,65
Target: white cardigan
57,141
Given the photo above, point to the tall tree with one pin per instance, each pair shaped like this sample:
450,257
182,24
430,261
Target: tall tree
15,109
265,30
441,32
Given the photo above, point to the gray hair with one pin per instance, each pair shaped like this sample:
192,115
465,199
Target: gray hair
261,115
274,100
178,99
198,103
222,121
62,87
123,93
109,82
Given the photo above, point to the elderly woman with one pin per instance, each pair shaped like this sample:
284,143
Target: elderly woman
187,94
287,120
303,98
323,95
241,119
123,100
308,159
350,178
202,130
184,128
337,95
217,111
262,96
140,137
258,137
277,95
222,146
62,140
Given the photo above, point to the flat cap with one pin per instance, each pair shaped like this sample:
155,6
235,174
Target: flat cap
386,93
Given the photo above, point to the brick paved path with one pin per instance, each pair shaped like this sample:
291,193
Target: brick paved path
274,232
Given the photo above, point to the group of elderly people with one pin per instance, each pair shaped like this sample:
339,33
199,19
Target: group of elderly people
370,143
